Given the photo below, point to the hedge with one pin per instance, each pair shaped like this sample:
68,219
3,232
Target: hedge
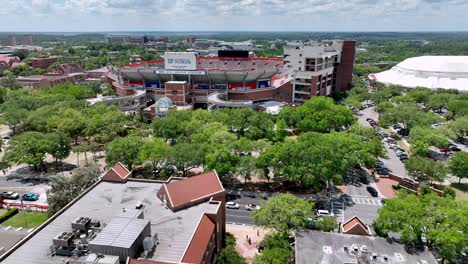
8,214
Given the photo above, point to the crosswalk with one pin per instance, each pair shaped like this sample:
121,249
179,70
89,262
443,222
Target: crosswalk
368,201
338,211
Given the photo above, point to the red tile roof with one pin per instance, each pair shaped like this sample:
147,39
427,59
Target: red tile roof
355,226
118,173
194,188
200,241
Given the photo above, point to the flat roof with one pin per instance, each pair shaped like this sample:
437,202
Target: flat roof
104,202
313,247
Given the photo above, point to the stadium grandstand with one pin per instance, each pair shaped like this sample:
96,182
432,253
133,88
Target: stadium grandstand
233,79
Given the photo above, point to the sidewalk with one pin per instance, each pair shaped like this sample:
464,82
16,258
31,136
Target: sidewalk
241,233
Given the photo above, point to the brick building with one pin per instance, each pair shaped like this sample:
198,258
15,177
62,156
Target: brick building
133,221
43,62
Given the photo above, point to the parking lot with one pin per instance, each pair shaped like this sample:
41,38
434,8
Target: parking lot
23,186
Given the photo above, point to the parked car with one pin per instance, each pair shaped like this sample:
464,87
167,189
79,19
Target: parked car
321,213
383,171
369,119
30,197
9,195
444,150
379,163
403,157
363,179
251,207
454,148
373,192
232,205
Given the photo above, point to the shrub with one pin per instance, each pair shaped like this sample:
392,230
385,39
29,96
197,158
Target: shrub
396,187
449,192
230,240
8,214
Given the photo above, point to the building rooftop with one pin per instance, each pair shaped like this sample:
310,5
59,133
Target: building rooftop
181,192
105,202
314,247
445,72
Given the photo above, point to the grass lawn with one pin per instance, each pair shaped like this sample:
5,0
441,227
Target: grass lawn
26,220
461,190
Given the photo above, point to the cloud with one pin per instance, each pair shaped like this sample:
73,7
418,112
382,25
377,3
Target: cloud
295,13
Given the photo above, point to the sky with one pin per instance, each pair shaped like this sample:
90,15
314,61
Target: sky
232,15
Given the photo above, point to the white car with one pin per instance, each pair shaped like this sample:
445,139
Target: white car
252,207
232,205
324,213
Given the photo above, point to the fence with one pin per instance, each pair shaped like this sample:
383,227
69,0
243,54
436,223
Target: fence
25,206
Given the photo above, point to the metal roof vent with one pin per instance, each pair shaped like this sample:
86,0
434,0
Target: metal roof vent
399,257
363,248
327,250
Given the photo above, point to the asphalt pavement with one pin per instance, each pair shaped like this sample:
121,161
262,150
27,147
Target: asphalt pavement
393,163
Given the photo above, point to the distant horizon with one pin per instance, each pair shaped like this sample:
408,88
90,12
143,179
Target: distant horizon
91,16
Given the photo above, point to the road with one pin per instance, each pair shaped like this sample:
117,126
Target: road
241,215
358,202
393,163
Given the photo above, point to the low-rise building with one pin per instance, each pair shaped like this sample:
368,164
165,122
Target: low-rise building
43,62
133,220
313,247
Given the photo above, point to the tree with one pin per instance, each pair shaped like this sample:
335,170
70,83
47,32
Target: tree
246,167
326,224
185,156
283,213
315,158
458,165
223,161
459,127
420,95
64,189
430,136
277,250
28,148
420,148
58,146
154,150
9,81
14,116
439,101
123,150
426,169
409,116
229,255
458,107
441,221
69,121
321,114
281,133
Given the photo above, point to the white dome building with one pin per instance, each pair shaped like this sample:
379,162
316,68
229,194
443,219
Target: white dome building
446,72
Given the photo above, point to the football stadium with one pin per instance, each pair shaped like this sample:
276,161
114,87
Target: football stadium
235,79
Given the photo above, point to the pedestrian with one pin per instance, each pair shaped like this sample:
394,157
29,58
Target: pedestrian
246,237
250,241
258,232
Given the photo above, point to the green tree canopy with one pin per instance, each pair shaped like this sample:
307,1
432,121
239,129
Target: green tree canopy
123,150
443,222
283,213
458,165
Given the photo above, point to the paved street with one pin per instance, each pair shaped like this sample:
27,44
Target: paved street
241,215
393,163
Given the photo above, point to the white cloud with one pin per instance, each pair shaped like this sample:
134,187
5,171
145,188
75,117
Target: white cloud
294,14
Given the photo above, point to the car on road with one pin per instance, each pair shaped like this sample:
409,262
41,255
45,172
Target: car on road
454,148
232,205
444,150
30,197
373,192
383,171
403,157
251,207
322,213
9,195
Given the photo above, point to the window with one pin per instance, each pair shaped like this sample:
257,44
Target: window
174,92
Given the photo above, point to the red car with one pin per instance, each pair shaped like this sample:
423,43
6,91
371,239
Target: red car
444,150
